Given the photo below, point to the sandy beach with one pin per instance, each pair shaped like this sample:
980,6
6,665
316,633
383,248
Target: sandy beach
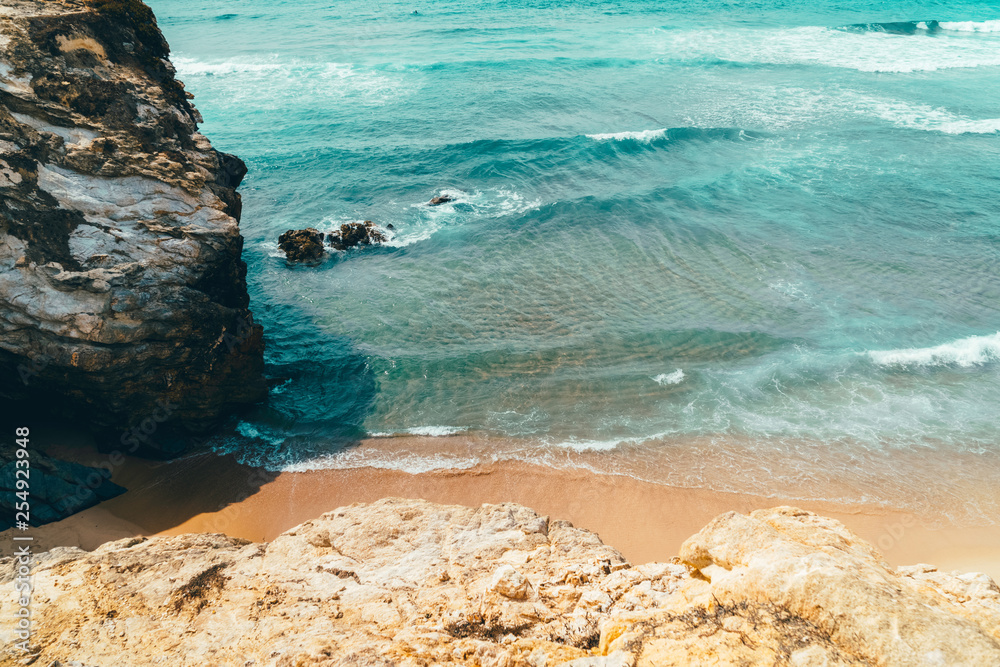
647,522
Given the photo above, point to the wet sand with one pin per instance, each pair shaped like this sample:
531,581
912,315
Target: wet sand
645,521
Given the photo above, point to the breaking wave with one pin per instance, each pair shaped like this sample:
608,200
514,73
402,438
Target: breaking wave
670,378
965,352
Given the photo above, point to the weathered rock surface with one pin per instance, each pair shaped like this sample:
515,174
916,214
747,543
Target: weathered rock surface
440,199
408,582
122,290
356,233
302,245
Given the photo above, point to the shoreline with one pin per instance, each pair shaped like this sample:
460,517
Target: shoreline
208,493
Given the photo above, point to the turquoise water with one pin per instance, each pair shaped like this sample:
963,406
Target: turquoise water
757,231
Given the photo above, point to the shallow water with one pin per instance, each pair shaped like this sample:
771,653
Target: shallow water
699,222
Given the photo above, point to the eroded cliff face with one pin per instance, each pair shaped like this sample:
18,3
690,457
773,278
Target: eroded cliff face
122,293
413,583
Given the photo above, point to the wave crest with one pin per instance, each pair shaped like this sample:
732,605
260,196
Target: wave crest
679,134
644,136
920,27
965,352
970,26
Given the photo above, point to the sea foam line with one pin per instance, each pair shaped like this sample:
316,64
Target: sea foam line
925,117
814,45
409,463
965,352
431,431
330,82
670,378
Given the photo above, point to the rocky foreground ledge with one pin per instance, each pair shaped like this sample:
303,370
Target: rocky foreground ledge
409,582
123,297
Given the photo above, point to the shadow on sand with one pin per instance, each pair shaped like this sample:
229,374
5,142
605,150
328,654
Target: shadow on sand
334,391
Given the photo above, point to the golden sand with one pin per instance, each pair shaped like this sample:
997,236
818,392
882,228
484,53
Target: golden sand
645,521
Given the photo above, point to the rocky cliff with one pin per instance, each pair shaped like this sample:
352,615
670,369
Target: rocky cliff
123,297
408,583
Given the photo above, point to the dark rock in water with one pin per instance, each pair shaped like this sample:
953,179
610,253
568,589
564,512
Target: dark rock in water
356,233
441,199
302,245
390,226
58,488
122,288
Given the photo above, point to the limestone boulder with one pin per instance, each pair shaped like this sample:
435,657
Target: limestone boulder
413,583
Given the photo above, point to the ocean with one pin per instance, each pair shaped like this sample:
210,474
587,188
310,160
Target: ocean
748,245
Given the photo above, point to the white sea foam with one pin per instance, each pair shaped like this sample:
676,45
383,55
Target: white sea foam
970,26
812,45
670,378
774,107
271,249
190,67
585,445
966,352
643,136
590,445
924,117
250,431
509,202
401,240
433,431
239,81
281,388
404,462
970,126
414,222
429,220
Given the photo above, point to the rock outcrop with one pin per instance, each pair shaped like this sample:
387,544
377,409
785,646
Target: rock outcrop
306,245
408,582
302,245
356,233
122,290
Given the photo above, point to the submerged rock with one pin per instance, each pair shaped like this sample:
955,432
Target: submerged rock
441,199
409,582
356,233
302,245
122,289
